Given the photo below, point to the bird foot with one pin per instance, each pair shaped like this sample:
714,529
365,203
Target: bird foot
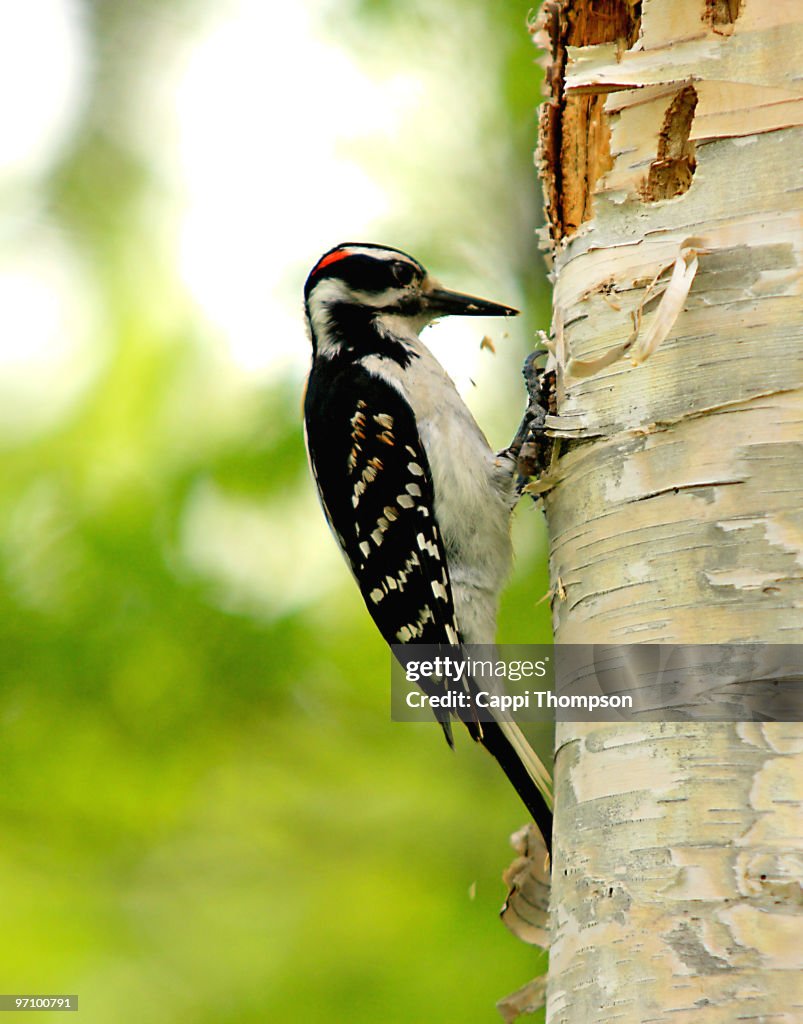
531,448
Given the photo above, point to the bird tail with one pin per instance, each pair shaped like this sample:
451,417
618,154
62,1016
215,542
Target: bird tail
505,741
523,767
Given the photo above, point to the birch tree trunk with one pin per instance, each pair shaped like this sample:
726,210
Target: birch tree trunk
671,143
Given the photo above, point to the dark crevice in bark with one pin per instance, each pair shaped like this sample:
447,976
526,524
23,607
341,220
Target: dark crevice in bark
722,14
672,170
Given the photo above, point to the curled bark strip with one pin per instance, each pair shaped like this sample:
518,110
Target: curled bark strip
683,273
580,368
526,909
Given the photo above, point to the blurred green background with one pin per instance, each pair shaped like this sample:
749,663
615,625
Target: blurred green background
206,812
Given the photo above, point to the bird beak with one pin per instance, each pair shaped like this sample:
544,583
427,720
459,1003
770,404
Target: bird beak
441,302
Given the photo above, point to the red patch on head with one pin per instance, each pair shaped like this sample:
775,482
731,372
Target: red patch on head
332,257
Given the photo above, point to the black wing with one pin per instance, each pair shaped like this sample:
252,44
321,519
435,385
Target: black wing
376,488
375,485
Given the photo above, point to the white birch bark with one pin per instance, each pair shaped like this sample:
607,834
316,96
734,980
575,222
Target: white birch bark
675,507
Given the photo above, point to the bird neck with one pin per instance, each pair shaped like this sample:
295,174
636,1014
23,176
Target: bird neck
349,332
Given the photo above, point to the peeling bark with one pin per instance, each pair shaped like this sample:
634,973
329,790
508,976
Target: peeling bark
674,498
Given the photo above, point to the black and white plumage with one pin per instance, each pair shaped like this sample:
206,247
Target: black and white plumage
418,501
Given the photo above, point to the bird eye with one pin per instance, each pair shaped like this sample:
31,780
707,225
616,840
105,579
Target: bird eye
403,273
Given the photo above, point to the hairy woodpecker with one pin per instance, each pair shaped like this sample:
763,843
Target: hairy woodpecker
416,498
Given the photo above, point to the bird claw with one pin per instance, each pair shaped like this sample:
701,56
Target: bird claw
531,448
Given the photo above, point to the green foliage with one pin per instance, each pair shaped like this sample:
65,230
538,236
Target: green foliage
207,815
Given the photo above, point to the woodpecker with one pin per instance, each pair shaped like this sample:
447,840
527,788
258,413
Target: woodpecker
416,498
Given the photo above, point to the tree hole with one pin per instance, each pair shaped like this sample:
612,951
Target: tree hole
722,14
672,170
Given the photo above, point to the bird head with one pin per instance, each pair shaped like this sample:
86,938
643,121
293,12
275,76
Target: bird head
378,281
